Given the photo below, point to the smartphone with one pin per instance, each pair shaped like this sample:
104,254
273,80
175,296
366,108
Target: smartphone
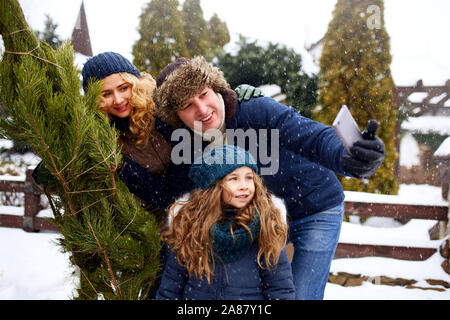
346,128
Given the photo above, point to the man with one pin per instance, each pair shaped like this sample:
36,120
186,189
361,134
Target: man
192,94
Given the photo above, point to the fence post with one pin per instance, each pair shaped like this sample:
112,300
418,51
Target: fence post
446,244
32,201
442,157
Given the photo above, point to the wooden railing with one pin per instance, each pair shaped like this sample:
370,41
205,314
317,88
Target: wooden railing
433,103
32,205
397,211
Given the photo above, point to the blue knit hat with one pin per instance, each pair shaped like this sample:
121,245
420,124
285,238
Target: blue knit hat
105,64
217,163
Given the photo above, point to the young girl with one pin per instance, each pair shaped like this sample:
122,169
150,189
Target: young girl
228,238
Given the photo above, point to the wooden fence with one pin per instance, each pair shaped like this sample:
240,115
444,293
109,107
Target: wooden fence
397,211
31,223
433,102
32,205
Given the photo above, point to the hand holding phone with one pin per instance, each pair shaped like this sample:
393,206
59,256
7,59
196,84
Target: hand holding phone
368,150
346,128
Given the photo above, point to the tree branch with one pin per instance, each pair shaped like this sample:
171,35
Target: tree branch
111,272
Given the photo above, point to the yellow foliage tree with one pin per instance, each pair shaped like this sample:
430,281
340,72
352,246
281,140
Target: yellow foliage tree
355,71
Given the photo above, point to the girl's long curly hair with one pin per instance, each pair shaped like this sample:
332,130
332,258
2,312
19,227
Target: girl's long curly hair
189,231
143,106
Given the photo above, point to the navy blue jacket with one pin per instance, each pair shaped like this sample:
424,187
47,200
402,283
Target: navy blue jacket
239,280
310,154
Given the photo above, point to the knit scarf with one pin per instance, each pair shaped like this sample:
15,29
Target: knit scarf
227,247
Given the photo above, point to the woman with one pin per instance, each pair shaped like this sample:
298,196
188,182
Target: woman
126,99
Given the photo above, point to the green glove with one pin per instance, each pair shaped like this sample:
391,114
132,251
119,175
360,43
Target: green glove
41,175
246,92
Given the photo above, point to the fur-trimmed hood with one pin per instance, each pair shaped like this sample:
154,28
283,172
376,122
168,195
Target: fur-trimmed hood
181,80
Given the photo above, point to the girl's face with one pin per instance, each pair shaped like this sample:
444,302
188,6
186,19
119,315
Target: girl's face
116,94
241,188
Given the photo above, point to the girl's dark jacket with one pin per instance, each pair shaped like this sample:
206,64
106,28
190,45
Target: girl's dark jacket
239,280
310,154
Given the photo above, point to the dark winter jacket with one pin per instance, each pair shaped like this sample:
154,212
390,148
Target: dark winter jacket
239,280
309,155
152,158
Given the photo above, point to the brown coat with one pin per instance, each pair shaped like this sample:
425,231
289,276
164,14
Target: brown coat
153,157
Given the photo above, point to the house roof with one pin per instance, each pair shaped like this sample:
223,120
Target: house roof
81,41
444,149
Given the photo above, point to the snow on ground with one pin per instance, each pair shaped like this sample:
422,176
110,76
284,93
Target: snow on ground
407,194
385,231
412,234
369,291
33,268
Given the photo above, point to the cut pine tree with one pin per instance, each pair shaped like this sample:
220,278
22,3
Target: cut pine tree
111,239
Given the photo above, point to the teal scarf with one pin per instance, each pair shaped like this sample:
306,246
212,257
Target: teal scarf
227,247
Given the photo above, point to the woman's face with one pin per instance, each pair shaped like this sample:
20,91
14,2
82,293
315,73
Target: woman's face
116,94
241,186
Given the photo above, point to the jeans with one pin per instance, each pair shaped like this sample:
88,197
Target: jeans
315,239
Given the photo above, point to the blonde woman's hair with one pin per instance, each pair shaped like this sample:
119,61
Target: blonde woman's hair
189,231
143,106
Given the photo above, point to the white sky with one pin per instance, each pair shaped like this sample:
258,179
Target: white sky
419,29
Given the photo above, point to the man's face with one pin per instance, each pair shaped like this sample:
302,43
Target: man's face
202,109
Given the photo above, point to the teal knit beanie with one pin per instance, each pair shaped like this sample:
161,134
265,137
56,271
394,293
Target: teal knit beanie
217,163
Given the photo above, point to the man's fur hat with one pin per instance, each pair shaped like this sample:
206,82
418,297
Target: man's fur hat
180,81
